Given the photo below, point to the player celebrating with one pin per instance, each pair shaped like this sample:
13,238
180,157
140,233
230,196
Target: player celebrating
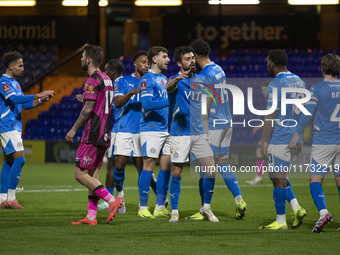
325,155
154,134
277,137
219,135
12,100
95,116
127,99
187,132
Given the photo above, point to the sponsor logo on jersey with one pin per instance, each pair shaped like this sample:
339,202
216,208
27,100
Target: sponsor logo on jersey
89,89
143,86
87,160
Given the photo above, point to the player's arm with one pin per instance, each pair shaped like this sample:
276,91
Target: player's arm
149,104
34,103
268,128
303,121
121,100
171,86
85,114
206,116
22,99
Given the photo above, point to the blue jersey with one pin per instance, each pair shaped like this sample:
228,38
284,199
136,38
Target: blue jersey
115,111
131,112
186,109
282,134
154,85
212,74
10,114
326,95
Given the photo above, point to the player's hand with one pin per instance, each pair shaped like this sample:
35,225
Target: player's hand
48,93
295,148
183,75
134,91
45,98
80,97
264,149
70,135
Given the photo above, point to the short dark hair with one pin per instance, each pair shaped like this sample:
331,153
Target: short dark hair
279,57
138,54
180,51
9,57
330,64
115,64
201,47
95,53
153,51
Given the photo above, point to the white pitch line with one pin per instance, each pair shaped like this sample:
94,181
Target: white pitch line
183,187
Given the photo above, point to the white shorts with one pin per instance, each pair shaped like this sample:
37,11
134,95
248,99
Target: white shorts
11,142
128,144
279,157
220,140
197,145
110,151
155,144
325,158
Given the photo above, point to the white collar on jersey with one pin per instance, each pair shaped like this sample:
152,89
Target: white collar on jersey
283,72
133,75
6,75
212,62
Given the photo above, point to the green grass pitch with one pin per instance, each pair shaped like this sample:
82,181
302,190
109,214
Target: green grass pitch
53,199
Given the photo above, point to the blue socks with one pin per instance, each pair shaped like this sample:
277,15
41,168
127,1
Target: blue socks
144,187
175,190
15,172
318,195
110,190
230,180
291,194
162,186
280,196
208,187
4,177
119,177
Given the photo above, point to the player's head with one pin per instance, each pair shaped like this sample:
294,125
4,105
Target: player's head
13,62
201,47
185,58
158,55
114,68
141,62
264,88
92,55
330,65
276,59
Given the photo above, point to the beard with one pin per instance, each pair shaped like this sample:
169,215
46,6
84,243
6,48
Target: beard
84,66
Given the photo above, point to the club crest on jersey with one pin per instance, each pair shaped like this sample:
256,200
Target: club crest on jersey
5,87
89,89
143,86
87,160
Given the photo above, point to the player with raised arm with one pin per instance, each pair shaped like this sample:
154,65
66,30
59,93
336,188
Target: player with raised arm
187,134
154,133
12,100
127,99
95,117
219,135
325,156
276,137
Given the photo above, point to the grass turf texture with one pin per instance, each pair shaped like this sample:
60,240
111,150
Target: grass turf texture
53,199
